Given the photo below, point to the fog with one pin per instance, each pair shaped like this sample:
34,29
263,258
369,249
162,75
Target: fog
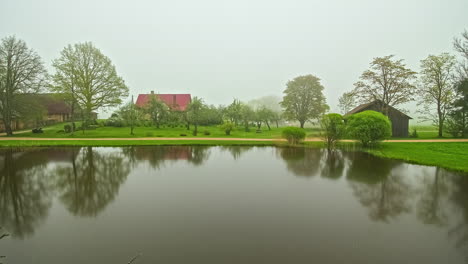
221,50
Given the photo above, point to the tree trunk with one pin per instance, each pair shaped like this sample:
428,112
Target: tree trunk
277,126
268,125
195,131
302,122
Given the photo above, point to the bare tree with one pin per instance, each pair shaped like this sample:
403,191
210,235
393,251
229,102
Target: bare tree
387,80
21,72
347,102
437,87
90,78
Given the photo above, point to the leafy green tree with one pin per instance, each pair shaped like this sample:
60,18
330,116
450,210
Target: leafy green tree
247,115
461,45
157,110
333,128
437,90
89,77
263,114
387,80
304,99
195,113
457,122
21,72
347,102
233,111
227,127
131,115
369,127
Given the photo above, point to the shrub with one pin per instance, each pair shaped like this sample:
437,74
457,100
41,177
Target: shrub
183,135
37,131
206,133
149,134
60,131
414,134
67,128
333,127
227,127
293,135
369,127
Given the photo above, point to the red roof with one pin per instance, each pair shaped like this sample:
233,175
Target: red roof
174,101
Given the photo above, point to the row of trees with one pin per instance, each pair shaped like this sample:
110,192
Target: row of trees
441,87
83,75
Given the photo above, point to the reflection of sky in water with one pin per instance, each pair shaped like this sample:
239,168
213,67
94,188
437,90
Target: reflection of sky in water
227,205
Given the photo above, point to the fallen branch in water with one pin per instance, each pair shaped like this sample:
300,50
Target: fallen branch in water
134,258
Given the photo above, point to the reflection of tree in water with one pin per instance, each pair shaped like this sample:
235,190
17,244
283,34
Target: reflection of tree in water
459,198
301,161
236,151
157,156
24,191
378,187
91,180
429,208
333,164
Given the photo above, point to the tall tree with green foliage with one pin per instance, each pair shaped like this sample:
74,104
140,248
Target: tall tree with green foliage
131,115
304,99
90,78
347,102
195,113
457,122
247,115
264,115
21,72
157,110
232,111
437,87
387,80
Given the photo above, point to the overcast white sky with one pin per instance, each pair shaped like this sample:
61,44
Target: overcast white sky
220,50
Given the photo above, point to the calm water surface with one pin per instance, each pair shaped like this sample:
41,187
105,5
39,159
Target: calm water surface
227,205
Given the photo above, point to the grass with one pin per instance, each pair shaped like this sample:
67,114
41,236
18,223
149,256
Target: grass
450,155
124,132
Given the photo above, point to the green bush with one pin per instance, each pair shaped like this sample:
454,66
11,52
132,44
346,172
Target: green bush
369,127
293,135
414,134
67,128
333,127
206,133
227,127
149,134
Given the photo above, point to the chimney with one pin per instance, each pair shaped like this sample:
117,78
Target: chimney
152,92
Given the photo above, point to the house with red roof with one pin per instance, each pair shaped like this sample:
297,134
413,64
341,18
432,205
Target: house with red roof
177,102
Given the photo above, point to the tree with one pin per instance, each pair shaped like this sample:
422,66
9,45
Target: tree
387,80
232,112
246,115
194,112
90,78
157,110
263,114
21,72
461,45
131,115
457,122
304,99
347,102
369,127
437,84
333,127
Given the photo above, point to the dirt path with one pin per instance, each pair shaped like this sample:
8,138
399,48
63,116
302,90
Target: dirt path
218,139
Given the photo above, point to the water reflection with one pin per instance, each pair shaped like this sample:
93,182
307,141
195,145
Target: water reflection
333,164
301,161
91,180
25,195
237,151
434,190
379,185
158,156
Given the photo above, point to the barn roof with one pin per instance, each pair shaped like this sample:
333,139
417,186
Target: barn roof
54,103
364,107
174,101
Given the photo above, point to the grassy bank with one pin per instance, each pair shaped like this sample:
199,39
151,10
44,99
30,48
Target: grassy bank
450,155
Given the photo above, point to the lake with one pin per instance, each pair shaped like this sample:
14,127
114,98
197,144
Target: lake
184,204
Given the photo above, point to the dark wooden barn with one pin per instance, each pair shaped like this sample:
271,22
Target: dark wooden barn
400,120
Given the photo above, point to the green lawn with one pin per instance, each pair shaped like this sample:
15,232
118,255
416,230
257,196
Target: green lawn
450,155
124,132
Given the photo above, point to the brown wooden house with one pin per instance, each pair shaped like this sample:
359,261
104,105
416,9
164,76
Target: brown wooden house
400,120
